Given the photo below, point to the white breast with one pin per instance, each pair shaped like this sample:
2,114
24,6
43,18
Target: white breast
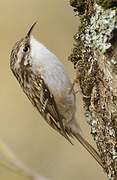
51,69
55,77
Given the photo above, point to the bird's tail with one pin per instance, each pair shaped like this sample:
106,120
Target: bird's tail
88,147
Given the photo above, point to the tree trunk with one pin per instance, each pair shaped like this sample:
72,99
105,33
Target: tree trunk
95,59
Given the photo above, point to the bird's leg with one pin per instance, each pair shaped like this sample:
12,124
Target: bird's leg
73,85
76,82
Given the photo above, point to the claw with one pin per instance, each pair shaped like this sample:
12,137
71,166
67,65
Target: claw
76,81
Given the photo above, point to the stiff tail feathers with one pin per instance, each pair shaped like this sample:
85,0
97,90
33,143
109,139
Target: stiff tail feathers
89,148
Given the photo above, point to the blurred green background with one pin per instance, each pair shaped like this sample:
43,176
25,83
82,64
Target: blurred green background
22,128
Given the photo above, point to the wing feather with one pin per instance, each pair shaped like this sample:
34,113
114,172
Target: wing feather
47,106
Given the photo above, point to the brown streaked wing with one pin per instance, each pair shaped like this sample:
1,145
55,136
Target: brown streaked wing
49,109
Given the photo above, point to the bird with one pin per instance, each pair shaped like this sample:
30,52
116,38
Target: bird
43,78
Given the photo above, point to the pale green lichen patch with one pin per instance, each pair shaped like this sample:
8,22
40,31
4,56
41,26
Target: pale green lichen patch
96,31
99,31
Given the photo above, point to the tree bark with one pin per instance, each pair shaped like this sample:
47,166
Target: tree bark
95,59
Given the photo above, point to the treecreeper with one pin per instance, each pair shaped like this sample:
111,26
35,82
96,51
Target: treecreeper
43,78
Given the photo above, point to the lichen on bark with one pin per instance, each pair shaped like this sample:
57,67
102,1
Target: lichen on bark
95,58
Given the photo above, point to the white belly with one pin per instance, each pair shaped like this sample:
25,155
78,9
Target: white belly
52,71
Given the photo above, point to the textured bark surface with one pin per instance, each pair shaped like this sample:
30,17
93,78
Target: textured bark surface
95,58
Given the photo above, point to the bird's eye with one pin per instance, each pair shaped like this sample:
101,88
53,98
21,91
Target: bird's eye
25,49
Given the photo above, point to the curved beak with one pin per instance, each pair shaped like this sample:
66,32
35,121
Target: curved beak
30,30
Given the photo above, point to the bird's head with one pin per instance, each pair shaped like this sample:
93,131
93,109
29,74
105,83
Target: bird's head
21,52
